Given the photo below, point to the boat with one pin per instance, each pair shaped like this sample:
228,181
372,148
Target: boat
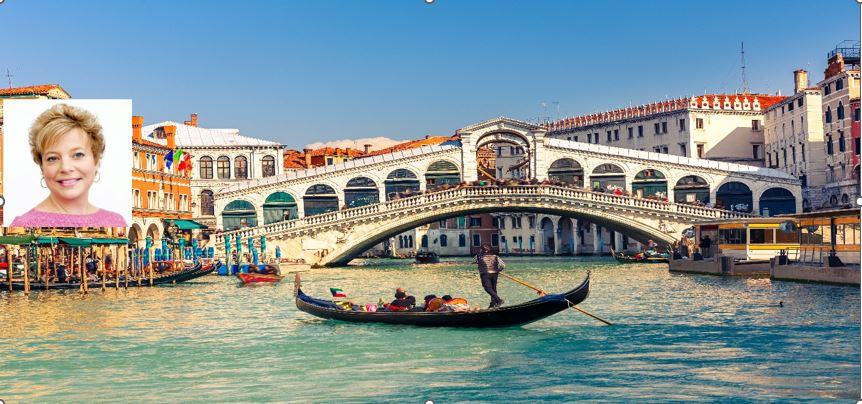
642,258
253,277
427,257
505,316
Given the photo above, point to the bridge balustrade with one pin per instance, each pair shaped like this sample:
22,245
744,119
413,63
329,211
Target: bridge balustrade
474,192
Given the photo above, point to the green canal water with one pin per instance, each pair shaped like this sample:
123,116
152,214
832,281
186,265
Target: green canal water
676,337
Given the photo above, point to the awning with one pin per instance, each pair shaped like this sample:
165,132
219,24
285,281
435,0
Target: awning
76,242
187,224
17,240
109,241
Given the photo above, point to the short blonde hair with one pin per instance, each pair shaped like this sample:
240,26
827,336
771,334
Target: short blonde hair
57,121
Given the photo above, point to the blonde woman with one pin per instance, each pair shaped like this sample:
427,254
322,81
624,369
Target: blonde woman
67,144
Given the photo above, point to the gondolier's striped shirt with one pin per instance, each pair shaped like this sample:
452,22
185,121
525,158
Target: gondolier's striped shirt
490,263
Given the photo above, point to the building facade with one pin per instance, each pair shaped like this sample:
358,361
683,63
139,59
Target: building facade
161,192
223,157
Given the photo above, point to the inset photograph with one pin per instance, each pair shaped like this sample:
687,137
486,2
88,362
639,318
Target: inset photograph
67,163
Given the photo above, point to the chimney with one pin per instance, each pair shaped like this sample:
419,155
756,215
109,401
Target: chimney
170,135
307,153
367,148
137,123
800,80
193,121
835,65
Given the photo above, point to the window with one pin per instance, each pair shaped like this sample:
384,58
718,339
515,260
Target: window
616,134
762,236
206,168
793,153
657,128
532,219
462,240
640,131
698,123
532,241
802,151
799,102
827,89
495,222
856,141
596,137
840,111
589,137
682,125
444,240
442,224
841,147
207,206
475,222
609,136
664,127
700,150
839,84
755,124
756,151
682,151
268,165
137,197
856,114
828,114
136,160
495,240
664,149
789,106
575,138
632,130
829,149
784,152
223,166
240,167
424,241
477,240
731,236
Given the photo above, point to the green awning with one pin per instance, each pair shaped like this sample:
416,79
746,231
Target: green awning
109,241
76,242
188,224
17,240
47,240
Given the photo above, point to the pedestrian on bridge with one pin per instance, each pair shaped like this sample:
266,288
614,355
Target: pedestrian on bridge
490,265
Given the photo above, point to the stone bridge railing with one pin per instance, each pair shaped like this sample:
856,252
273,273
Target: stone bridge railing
465,194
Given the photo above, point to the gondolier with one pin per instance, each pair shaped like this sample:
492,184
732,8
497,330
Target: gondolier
489,266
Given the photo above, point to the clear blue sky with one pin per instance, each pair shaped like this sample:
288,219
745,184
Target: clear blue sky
306,71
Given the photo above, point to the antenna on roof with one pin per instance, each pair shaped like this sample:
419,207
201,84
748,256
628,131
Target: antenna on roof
742,56
9,77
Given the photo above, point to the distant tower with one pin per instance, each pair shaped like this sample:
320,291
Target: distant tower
742,56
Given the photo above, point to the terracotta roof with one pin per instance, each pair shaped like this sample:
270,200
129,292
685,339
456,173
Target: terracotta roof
412,144
146,142
335,151
41,89
294,160
762,101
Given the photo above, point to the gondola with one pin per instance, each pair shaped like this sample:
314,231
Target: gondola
175,277
661,258
506,316
267,273
427,257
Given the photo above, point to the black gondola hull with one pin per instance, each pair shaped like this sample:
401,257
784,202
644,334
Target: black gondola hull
508,316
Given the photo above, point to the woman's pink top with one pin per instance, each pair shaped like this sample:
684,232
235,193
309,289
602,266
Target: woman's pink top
102,218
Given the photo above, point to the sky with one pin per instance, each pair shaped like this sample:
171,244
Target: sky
316,71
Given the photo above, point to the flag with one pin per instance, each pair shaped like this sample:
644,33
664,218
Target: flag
169,159
178,154
182,165
336,292
188,160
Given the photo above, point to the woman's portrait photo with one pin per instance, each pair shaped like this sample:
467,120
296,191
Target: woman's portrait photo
67,163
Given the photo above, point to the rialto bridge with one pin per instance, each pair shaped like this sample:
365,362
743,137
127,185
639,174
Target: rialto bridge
328,215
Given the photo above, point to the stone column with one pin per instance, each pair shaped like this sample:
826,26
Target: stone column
557,237
596,236
576,239
618,241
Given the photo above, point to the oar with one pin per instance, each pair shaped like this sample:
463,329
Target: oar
544,293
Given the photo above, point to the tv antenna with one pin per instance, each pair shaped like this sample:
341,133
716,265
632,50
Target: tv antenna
742,57
9,77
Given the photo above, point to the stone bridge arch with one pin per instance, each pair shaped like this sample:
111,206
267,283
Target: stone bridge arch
636,228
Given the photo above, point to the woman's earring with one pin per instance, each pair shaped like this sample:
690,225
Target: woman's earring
98,176
42,183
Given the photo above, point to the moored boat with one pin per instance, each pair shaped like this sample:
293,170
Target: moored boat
643,258
259,278
506,316
427,257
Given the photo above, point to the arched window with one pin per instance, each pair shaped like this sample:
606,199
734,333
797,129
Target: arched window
239,214
444,241
240,167
839,84
207,207
841,146
320,199
268,166
828,115
223,166
206,167
424,241
360,191
734,196
840,111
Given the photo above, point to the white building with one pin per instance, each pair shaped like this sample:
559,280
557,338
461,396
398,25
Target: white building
724,127
223,157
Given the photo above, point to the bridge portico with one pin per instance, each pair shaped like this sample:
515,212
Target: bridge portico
342,208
